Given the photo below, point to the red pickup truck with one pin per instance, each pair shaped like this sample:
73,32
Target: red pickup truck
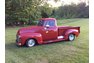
46,31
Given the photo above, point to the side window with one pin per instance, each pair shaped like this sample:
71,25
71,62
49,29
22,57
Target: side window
51,23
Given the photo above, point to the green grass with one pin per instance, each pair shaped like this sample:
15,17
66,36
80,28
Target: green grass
61,52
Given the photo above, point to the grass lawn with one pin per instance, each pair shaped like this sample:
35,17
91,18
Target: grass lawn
61,52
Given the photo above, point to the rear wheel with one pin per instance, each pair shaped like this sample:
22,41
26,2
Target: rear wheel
30,43
71,37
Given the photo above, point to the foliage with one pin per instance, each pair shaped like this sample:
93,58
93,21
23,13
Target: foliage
46,10
27,11
18,10
80,10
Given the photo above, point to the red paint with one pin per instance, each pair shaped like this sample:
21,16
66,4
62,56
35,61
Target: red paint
45,34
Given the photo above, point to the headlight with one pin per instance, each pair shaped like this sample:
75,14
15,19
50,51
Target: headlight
19,36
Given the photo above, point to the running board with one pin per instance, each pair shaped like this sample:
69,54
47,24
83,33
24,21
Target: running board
56,40
60,37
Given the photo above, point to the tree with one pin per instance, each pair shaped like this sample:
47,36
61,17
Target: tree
46,10
80,10
25,10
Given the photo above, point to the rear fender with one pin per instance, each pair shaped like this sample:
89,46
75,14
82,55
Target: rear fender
36,36
71,31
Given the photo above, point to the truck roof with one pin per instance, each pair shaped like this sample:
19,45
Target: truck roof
47,19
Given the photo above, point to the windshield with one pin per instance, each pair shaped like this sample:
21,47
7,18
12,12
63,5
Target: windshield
41,23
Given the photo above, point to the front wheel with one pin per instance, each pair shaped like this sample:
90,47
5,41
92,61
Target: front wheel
30,43
71,37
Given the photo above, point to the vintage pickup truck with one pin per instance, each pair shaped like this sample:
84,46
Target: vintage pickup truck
46,31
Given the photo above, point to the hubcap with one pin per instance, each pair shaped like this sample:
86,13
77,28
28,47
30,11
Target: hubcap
71,37
31,42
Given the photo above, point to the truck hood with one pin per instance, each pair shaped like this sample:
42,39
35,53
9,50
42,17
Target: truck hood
28,29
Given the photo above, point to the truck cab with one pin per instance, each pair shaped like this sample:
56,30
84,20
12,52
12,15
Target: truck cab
46,31
49,29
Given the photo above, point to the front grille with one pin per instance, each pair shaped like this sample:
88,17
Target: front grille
17,38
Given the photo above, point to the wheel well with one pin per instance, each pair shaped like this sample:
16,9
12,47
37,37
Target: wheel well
71,33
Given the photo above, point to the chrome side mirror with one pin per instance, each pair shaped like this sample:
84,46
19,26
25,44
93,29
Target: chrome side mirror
47,26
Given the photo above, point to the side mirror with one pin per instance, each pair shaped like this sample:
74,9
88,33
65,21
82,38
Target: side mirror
47,26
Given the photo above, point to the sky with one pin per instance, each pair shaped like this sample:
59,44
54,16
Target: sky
54,4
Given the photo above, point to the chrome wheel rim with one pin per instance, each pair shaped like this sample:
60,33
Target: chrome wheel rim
31,42
71,37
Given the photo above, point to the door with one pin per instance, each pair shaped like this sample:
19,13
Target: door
49,31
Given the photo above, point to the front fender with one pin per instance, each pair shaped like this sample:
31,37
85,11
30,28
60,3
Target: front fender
73,31
36,36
